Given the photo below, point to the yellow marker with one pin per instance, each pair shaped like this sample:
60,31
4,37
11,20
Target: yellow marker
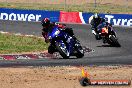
84,74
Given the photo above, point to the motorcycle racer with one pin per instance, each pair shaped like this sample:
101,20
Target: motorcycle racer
95,23
48,26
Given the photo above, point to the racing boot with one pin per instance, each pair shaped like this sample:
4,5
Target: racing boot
98,36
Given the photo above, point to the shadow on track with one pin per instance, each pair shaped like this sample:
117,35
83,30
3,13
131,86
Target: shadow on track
108,46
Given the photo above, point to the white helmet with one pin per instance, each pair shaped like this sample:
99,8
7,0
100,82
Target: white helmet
95,16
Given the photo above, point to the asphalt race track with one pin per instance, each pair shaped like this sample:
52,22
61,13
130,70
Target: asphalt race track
101,55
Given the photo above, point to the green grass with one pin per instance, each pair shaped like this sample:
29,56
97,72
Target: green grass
10,43
87,7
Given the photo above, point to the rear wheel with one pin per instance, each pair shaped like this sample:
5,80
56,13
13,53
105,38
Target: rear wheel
80,51
114,41
61,47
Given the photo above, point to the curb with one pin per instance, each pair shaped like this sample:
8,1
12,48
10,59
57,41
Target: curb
27,56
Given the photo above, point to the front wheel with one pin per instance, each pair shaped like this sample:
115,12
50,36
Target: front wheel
61,47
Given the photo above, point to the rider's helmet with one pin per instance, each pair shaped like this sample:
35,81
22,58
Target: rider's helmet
96,16
45,22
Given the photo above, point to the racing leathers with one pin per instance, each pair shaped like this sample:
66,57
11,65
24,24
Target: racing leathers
94,24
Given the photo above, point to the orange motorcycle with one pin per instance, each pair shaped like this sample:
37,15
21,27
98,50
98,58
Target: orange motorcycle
108,35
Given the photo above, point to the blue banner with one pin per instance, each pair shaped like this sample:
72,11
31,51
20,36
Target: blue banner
114,19
28,15
37,15
118,19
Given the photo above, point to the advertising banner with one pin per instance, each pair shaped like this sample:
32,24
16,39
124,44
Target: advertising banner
114,19
28,15
85,18
62,16
118,19
70,17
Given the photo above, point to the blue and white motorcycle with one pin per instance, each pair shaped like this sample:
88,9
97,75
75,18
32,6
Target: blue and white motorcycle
63,43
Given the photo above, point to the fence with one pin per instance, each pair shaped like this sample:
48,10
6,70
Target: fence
103,6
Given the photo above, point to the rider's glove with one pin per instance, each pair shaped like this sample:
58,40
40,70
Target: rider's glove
93,32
